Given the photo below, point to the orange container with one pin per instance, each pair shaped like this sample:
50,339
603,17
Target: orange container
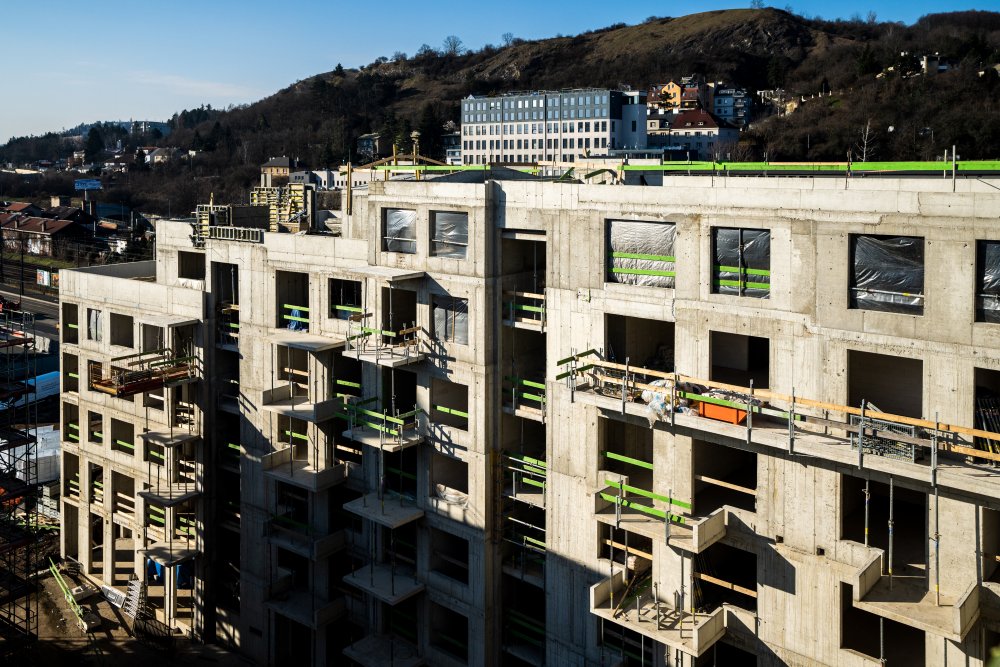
722,413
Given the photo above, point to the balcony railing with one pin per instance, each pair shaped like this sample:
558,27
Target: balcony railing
635,604
678,398
393,431
524,398
524,310
385,347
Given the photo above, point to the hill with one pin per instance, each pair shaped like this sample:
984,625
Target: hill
850,72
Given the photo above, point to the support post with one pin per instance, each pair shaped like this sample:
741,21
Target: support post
750,413
791,426
891,515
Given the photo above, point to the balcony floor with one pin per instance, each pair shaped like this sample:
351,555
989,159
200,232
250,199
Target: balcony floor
380,650
672,629
911,603
379,581
391,511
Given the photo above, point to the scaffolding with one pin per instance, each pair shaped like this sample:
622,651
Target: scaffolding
143,372
289,207
18,486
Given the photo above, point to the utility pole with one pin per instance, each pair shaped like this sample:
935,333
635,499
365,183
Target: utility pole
21,294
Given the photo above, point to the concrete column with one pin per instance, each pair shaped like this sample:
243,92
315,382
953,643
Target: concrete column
169,594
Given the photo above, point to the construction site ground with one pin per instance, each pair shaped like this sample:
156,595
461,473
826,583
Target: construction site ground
62,642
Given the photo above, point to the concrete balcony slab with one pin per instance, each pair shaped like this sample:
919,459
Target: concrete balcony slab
389,511
281,467
169,495
694,535
388,584
381,650
692,634
309,609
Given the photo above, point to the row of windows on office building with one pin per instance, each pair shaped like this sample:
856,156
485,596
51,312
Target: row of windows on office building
537,102
543,114
519,144
518,157
537,128
886,272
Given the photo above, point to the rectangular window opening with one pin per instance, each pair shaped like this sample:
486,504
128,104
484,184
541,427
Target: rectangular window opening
449,234
741,262
399,230
887,273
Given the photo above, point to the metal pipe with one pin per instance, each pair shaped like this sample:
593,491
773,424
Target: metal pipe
791,426
750,413
868,497
891,514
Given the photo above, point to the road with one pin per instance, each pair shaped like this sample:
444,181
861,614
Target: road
46,310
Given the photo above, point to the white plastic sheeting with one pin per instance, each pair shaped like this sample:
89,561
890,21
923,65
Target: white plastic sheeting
400,230
742,262
628,238
451,319
888,274
449,234
988,297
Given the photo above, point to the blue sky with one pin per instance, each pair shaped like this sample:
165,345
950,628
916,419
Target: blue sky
73,62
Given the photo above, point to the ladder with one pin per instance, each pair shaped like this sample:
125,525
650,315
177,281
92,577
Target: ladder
136,605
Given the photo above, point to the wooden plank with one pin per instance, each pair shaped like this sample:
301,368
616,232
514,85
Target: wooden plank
527,295
630,550
768,395
726,485
725,584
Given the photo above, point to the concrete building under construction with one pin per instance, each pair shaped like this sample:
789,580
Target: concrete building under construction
717,421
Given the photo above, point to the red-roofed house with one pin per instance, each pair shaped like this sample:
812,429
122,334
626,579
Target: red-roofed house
40,236
26,208
701,133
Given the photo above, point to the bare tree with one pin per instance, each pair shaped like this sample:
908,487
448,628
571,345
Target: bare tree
866,146
507,38
872,17
452,45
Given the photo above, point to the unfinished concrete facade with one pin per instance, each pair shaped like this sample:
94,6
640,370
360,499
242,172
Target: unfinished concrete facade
451,436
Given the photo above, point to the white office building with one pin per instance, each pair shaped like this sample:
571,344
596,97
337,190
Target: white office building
551,125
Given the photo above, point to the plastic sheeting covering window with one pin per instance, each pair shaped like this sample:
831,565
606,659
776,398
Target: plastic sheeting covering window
641,253
400,233
988,282
451,319
741,262
449,234
94,329
887,274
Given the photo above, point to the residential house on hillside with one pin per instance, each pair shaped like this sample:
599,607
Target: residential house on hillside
275,171
700,133
35,235
731,104
373,146
23,208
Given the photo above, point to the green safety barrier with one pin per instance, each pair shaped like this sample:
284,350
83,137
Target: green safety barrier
126,445
156,455
401,473
75,376
629,460
72,326
295,318
348,309
530,309
674,518
347,383
234,446
451,411
75,427
647,494
639,255
645,272
298,436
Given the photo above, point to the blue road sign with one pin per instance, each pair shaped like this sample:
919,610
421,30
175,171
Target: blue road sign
87,184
